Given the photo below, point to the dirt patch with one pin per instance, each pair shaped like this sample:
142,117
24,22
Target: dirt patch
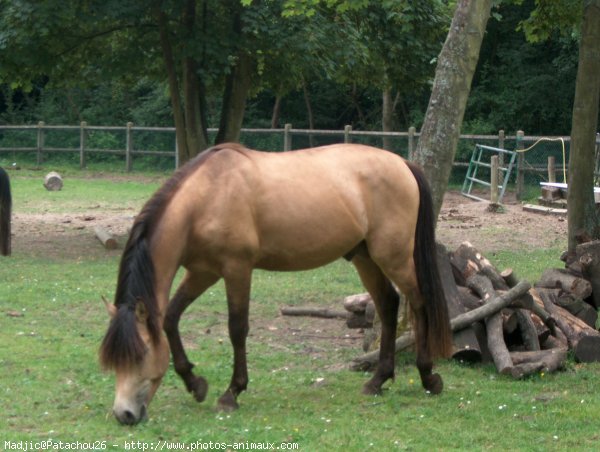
511,228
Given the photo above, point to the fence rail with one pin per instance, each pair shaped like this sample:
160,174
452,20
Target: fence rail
130,142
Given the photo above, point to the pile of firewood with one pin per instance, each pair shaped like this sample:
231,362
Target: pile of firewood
495,317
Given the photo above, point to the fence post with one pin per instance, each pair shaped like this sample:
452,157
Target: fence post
501,138
494,180
347,130
520,166
82,127
411,142
551,169
128,147
40,141
287,138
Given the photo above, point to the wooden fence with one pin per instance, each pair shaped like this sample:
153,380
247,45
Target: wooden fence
284,139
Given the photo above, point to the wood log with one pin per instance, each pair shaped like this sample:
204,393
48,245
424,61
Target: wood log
583,340
482,285
563,279
368,361
324,313
468,300
588,256
467,260
465,345
53,181
357,320
528,330
547,356
357,303
578,308
509,277
106,238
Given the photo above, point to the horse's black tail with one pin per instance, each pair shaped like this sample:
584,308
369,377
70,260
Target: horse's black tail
439,334
5,213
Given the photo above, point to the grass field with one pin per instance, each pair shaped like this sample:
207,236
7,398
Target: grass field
300,393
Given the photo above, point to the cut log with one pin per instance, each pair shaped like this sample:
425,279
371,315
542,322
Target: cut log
53,181
368,361
357,303
528,330
483,287
466,261
563,279
106,238
323,313
465,344
528,363
509,276
588,256
585,350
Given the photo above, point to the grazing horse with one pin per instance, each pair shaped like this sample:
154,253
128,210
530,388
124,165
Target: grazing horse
231,210
5,213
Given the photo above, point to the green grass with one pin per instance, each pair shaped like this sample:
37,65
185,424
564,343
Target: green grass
51,387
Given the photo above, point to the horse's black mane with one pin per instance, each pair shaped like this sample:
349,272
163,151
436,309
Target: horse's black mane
122,346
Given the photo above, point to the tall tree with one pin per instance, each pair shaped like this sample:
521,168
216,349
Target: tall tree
582,213
198,46
455,68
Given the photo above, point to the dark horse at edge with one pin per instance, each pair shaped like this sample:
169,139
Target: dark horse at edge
5,213
231,210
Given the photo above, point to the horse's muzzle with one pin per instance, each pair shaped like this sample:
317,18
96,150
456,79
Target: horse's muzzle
128,417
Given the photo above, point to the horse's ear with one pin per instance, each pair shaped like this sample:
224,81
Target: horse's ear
110,308
141,313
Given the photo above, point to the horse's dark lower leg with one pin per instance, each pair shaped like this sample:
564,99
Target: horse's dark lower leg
388,314
238,297
386,301
238,331
184,296
431,382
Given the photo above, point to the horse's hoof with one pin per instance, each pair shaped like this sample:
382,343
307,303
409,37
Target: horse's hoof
434,384
227,402
371,389
199,388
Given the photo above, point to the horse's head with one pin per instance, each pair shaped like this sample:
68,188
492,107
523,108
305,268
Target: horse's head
139,359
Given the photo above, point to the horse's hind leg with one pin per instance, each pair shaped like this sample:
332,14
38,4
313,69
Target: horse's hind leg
386,301
431,382
189,289
237,287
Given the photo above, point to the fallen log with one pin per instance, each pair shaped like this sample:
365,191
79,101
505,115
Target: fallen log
465,345
53,181
582,339
106,238
482,285
588,256
466,261
324,313
527,363
563,279
357,303
368,361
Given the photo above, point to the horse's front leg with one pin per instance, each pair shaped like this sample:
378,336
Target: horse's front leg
190,288
238,299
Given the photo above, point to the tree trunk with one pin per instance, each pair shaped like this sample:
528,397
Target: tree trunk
452,84
309,113
178,114
387,116
276,112
580,197
234,99
197,139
